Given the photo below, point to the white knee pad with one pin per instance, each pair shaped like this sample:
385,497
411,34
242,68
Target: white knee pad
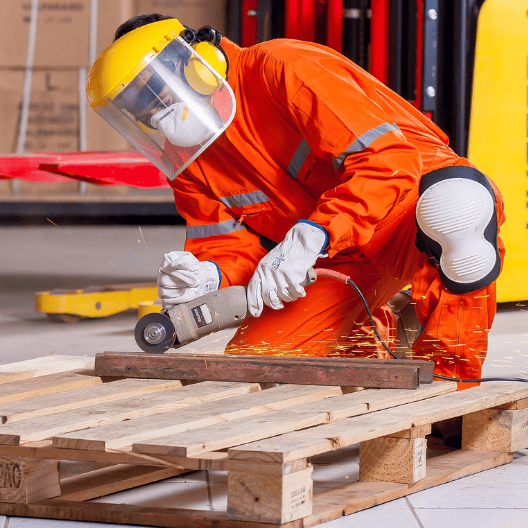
457,224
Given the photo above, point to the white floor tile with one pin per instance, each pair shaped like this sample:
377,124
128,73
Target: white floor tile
377,518
466,493
515,472
481,518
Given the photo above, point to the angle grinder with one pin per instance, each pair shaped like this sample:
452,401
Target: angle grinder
184,323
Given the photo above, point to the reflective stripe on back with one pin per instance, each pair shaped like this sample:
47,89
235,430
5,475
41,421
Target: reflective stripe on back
363,141
299,157
209,230
240,200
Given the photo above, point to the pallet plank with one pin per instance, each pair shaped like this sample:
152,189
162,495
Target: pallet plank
222,435
132,514
51,364
293,446
47,384
126,433
261,369
213,461
32,430
233,433
75,399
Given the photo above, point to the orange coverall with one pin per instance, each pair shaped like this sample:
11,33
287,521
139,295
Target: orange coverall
316,137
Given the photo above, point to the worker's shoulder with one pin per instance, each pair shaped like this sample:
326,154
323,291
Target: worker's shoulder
290,53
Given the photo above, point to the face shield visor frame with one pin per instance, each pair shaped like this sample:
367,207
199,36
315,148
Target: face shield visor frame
165,118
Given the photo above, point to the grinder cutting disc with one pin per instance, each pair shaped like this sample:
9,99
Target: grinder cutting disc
155,333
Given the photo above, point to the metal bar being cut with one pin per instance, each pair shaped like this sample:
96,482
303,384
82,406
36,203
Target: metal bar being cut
369,373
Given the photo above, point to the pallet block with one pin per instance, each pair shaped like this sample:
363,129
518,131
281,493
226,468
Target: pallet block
132,432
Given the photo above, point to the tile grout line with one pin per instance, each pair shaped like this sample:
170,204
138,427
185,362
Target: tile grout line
209,494
415,515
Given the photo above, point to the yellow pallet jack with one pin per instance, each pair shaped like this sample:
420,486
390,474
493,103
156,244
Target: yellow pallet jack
70,306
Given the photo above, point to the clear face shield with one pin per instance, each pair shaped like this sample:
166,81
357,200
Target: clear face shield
170,112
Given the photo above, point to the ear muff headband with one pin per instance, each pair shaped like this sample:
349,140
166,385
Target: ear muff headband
206,43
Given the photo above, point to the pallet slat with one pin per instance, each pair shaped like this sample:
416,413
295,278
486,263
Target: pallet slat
75,399
41,366
47,384
131,514
32,430
126,433
271,424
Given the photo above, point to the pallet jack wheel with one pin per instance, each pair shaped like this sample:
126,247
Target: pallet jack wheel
155,333
64,318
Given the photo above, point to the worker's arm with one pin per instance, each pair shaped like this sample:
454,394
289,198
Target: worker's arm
341,122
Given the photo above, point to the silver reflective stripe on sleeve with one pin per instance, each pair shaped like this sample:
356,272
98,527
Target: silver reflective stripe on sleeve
210,230
299,157
240,200
363,141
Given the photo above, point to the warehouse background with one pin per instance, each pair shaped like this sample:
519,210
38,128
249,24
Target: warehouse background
46,52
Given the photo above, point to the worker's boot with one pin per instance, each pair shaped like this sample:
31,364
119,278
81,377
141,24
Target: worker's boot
407,326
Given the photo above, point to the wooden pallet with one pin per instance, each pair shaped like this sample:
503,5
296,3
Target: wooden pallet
125,433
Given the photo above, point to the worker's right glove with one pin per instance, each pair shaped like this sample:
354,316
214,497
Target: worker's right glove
182,278
282,274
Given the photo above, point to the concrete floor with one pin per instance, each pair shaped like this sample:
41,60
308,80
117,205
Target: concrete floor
43,258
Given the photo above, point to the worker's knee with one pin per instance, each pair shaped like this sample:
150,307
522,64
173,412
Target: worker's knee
457,225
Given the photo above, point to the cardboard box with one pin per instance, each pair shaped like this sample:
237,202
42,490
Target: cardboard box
63,32
193,13
53,117
110,15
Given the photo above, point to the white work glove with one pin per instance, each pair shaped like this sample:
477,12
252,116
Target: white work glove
280,274
182,278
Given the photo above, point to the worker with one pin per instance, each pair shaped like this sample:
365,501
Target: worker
285,156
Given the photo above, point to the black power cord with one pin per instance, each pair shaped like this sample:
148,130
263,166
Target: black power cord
448,378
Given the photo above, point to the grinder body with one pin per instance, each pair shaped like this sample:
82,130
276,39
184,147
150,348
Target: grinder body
209,313
184,323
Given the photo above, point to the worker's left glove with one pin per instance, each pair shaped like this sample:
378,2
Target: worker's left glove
182,278
280,275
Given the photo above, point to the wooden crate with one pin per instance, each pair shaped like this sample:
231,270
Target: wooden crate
130,432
